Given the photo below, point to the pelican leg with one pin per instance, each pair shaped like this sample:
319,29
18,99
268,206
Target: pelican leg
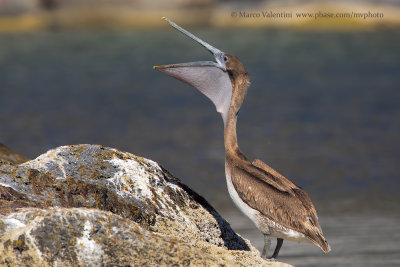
279,242
267,244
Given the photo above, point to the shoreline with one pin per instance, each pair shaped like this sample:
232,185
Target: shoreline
343,17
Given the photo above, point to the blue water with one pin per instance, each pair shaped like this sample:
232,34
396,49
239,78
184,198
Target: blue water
323,107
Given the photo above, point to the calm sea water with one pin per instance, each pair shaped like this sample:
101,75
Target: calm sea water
323,109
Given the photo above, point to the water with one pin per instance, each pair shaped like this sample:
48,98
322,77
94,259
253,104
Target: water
323,109
359,240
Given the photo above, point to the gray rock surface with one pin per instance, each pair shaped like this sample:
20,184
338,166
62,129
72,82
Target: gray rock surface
88,205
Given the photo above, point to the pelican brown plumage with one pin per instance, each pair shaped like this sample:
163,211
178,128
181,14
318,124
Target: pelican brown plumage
278,207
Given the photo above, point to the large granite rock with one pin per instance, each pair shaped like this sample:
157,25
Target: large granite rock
88,205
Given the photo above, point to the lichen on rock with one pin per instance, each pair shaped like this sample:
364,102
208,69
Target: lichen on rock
89,205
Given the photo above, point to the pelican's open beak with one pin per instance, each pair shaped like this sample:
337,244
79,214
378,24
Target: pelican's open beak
218,54
209,77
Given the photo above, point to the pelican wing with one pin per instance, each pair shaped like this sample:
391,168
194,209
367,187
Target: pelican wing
277,198
280,181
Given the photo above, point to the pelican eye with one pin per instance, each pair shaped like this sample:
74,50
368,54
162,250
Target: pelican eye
225,58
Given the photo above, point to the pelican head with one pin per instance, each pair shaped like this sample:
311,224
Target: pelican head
215,79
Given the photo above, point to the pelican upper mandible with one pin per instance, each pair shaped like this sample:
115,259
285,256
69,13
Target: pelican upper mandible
278,207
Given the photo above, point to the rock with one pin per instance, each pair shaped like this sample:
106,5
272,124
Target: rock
7,155
88,205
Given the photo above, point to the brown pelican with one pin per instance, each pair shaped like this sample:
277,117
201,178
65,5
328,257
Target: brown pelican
278,207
